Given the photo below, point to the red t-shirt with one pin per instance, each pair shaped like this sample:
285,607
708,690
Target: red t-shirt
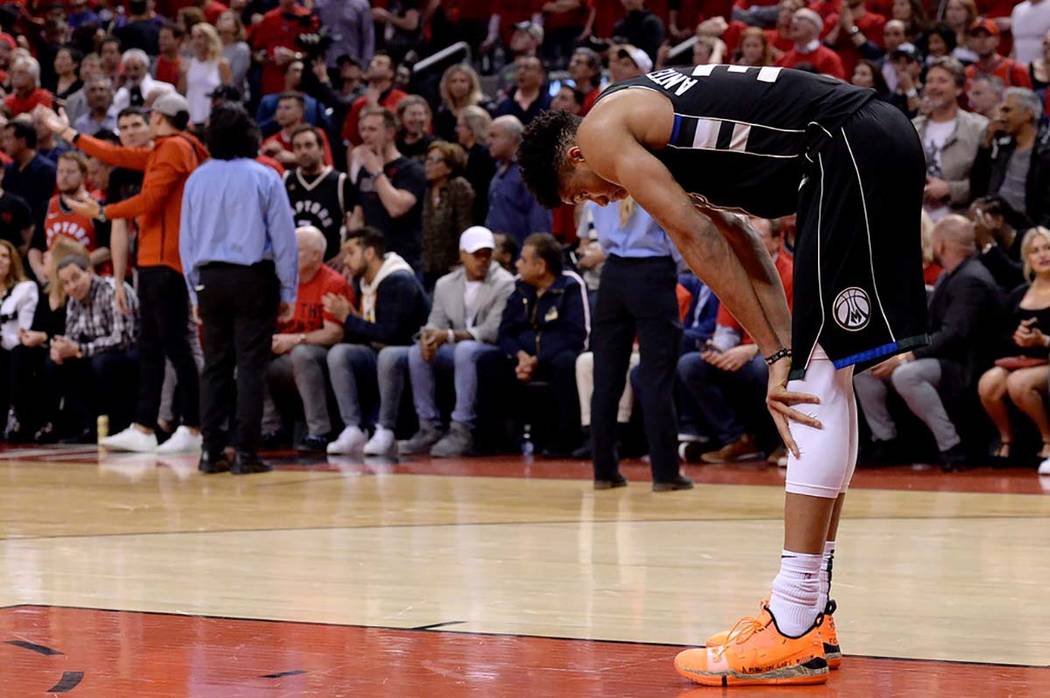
309,305
168,70
513,11
287,144
62,222
786,269
213,11
1012,73
870,25
589,99
573,18
20,105
466,10
277,30
823,59
271,163
387,100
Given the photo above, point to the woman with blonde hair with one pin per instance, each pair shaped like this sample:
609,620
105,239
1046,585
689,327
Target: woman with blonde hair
460,88
754,48
234,48
205,71
1020,374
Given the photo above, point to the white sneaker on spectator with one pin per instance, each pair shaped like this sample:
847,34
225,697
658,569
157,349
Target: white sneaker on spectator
131,439
351,440
182,441
382,443
1044,467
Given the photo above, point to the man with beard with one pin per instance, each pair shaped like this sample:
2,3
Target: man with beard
950,136
318,193
61,220
291,114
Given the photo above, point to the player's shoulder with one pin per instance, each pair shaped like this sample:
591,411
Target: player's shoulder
627,111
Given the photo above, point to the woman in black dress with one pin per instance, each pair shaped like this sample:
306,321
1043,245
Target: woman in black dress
1020,374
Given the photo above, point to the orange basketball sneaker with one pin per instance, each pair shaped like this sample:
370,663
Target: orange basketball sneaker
826,631
756,653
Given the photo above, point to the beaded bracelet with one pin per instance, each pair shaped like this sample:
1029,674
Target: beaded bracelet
777,356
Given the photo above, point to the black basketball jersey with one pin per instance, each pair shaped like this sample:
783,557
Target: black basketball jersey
741,133
320,203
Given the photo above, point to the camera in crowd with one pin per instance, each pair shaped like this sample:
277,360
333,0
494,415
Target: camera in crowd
315,44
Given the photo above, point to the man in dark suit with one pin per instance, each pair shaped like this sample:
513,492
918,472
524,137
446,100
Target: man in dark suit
965,296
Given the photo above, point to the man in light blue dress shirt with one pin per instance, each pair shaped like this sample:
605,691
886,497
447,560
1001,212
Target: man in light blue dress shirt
636,298
239,254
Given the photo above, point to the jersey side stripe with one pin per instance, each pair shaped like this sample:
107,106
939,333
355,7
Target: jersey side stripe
748,123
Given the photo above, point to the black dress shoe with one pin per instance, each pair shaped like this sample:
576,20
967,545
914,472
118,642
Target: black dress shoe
313,444
618,481
210,464
954,459
679,483
247,463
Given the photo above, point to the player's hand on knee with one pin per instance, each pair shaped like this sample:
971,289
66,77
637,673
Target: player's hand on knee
779,401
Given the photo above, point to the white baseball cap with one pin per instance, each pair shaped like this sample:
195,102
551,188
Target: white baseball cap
640,57
476,237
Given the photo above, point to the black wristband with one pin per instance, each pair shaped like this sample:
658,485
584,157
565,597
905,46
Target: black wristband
778,355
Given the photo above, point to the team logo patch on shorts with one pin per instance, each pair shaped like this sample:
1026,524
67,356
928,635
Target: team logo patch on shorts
852,309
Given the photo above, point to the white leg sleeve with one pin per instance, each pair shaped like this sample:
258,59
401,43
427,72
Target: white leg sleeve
828,454
585,385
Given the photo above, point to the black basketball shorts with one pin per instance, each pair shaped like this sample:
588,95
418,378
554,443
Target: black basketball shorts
858,286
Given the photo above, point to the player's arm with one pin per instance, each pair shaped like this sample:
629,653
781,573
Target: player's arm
759,265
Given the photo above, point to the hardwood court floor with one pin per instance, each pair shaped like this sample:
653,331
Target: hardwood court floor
122,575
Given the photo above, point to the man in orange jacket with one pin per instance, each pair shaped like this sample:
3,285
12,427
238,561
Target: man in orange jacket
163,297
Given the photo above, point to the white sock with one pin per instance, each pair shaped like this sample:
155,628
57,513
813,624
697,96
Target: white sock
825,575
796,590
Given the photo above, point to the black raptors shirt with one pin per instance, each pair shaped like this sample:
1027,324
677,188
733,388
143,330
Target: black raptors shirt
320,202
741,133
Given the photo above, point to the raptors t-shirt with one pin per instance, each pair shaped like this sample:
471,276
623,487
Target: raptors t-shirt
309,305
62,221
320,201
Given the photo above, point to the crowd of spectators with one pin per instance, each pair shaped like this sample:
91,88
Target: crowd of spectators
438,302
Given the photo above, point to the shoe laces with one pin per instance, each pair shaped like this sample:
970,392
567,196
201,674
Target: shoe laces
741,632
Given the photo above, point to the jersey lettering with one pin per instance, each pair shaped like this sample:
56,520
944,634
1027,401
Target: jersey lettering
669,77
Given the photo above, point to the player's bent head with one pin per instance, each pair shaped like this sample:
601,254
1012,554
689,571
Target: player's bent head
543,155
554,168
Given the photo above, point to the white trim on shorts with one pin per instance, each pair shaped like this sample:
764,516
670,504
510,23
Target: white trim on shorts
867,231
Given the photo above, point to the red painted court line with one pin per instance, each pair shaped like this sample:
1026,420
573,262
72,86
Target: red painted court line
155,654
921,478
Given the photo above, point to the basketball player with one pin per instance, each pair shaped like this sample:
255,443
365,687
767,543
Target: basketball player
696,147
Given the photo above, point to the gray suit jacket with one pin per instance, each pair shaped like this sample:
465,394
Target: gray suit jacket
449,313
960,151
